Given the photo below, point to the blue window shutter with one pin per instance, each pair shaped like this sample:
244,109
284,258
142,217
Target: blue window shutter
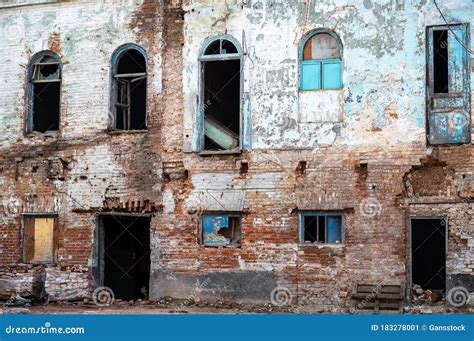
456,59
311,76
334,228
332,75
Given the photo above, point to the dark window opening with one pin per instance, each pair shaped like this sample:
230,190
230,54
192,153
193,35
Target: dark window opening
44,94
440,61
428,253
321,228
126,256
130,83
222,230
222,105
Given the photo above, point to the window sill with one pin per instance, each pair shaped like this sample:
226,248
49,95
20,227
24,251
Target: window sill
322,245
119,132
220,152
233,247
52,134
319,90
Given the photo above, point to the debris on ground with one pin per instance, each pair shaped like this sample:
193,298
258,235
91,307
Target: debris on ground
18,301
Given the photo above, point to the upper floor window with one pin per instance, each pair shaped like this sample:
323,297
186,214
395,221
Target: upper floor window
220,100
129,83
448,93
321,61
44,92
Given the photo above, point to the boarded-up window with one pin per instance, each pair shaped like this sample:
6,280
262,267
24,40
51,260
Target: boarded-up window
40,239
321,63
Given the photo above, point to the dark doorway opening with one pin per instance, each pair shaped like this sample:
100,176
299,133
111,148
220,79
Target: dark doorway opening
428,253
126,255
222,104
440,61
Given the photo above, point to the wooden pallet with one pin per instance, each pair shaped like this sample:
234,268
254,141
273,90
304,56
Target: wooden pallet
378,299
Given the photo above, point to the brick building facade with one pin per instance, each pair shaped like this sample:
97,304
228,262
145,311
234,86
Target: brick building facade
263,170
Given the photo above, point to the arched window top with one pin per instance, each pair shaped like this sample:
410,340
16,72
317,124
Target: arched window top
129,58
220,46
129,85
45,65
321,61
322,44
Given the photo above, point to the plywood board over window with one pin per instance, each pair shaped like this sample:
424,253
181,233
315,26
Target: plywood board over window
40,239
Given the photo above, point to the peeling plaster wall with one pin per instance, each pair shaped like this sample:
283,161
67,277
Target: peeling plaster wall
361,158
383,67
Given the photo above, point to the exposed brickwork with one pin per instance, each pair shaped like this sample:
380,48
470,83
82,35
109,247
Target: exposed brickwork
86,171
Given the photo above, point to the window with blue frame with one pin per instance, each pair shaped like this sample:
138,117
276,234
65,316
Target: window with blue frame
321,227
321,62
222,230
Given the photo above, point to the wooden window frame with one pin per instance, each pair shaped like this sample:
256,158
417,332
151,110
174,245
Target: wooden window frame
320,62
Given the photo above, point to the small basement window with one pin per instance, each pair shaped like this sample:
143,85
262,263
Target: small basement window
129,83
44,93
321,228
40,239
221,230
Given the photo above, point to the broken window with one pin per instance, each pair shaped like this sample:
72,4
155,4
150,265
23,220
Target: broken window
129,83
221,230
448,85
321,62
321,228
221,64
40,239
44,93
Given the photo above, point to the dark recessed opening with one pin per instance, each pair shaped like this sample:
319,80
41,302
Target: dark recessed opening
126,255
46,99
131,86
222,104
440,61
428,251
131,61
310,229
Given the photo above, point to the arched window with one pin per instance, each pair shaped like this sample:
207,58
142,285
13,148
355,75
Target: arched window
220,99
321,61
44,92
129,82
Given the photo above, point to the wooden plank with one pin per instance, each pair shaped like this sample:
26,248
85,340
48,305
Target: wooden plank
218,133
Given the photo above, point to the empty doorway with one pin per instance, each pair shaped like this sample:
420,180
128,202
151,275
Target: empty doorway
428,253
125,255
